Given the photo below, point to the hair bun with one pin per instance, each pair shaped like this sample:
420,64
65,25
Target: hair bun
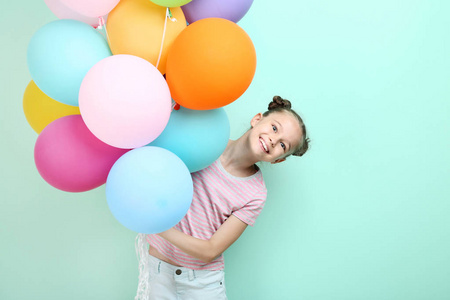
279,102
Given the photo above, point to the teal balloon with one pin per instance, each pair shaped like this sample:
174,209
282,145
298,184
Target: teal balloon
60,54
149,190
198,137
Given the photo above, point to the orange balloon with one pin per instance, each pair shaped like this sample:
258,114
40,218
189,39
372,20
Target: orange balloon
210,64
40,110
136,27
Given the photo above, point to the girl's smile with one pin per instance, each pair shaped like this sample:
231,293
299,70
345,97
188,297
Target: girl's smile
264,145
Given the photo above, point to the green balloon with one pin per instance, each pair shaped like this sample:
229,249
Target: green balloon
171,3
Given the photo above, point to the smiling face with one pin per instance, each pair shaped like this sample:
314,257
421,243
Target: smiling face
275,136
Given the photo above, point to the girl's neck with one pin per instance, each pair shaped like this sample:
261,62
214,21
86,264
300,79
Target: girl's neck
237,160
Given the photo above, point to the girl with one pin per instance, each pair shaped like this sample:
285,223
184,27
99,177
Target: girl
186,261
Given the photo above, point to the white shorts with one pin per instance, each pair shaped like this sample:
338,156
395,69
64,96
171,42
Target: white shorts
170,282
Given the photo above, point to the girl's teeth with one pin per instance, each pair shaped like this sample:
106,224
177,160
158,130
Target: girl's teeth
264,145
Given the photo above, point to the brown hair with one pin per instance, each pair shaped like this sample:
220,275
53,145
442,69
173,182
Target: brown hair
279,104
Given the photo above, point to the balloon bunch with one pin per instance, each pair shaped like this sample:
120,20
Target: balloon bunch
137,106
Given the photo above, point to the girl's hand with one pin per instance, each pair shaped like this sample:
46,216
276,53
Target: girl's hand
207,250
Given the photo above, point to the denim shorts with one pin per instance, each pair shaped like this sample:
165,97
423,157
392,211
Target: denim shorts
169,282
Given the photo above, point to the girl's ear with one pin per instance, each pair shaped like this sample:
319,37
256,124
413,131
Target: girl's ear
256,119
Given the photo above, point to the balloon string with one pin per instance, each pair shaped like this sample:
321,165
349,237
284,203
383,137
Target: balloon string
164,34
143,264
168,16
102,27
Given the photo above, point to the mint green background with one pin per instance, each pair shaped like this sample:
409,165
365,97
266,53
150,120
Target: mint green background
364,215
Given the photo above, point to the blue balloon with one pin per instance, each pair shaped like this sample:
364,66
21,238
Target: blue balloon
149,190
60,54
198,137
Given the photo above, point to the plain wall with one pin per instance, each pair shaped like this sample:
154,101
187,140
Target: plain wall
363,215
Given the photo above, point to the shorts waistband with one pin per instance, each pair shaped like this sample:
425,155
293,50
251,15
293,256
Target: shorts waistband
161,266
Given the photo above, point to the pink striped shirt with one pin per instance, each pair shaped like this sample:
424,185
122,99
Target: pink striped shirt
217,195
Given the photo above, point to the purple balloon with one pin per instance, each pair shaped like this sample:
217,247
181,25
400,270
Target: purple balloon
232,10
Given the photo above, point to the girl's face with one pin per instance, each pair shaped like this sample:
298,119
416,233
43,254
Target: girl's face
275,136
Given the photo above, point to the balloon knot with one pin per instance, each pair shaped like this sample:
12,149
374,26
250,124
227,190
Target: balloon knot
177,106
170,16
101,22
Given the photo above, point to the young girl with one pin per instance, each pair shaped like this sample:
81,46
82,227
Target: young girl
186,261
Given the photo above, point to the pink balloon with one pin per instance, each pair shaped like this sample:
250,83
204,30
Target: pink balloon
70,158
63,12
91,8
125,101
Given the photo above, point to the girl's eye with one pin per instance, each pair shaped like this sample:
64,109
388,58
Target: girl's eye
274,128
283,146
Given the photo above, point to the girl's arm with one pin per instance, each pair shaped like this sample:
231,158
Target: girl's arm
207,250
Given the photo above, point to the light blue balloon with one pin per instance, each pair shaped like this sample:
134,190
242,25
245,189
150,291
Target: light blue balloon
60,54
198,137
149,190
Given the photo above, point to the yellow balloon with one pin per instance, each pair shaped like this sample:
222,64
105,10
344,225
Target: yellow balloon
40,110
136,27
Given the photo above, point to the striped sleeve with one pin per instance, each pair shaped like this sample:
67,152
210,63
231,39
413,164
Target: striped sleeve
250,211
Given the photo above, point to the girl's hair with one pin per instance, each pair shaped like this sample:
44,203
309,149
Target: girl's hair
279,104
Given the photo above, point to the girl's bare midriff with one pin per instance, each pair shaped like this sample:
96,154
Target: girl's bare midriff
153,252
